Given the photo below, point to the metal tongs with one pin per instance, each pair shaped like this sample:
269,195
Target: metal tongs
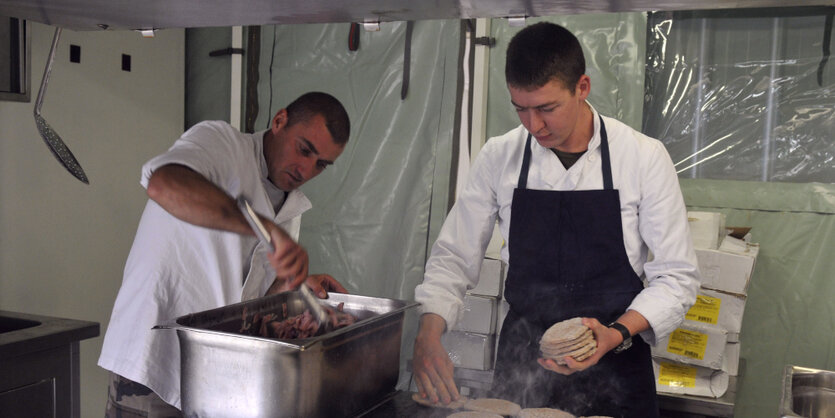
309,299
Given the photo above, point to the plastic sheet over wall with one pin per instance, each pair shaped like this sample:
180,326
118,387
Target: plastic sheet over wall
376,211
747,95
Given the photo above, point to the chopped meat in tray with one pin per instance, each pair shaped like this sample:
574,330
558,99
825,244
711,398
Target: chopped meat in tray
304,325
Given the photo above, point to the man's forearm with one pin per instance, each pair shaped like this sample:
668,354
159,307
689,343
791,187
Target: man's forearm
634,322
192,198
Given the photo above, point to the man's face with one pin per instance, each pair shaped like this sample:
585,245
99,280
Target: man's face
299,152
551,113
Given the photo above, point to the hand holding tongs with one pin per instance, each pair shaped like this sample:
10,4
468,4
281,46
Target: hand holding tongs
307,296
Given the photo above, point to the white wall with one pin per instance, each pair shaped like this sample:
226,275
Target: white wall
63,244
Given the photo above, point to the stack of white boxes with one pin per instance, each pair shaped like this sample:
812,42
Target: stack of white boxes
699,356
471,343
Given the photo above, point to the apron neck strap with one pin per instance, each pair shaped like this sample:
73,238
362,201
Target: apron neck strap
606,166
522,183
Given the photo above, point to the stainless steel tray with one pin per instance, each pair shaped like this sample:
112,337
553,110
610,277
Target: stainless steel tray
228,374
807,392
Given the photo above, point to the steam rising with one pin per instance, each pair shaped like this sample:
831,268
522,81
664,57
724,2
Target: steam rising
519,378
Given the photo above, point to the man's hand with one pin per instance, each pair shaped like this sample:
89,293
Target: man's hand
607,339
289,258
431,365
320,284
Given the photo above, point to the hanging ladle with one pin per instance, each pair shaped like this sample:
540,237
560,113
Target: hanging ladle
53,141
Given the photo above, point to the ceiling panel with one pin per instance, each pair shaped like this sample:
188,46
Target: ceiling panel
160,14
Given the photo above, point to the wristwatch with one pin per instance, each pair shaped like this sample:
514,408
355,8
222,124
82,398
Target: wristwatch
627,338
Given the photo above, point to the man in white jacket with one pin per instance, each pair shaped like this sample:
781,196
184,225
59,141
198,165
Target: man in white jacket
581,199
195,251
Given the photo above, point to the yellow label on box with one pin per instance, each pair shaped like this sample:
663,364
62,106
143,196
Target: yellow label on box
706,309
688,343
677,375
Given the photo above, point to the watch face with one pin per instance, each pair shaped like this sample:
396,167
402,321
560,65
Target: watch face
624,345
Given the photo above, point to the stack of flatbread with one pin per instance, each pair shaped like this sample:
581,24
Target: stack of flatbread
569,338
493,406
473,414
544,413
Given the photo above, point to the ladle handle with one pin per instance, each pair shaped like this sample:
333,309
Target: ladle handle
49,60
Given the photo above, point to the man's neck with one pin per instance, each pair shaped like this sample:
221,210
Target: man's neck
582,134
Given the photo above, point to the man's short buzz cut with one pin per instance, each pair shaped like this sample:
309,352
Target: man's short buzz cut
543,52
315,103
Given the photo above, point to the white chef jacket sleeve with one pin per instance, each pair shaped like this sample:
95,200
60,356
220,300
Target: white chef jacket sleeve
455,259
672,274
209,148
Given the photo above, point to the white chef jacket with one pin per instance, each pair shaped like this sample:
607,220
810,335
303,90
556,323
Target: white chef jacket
653,214
176,268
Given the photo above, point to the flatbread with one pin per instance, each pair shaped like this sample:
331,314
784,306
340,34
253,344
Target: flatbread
428,402
569,338
544,413
580,349
585,336
473,414
567,330
493,405
580,357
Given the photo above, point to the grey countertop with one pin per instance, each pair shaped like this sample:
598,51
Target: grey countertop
22,333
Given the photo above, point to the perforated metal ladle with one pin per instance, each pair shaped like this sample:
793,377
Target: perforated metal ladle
53,141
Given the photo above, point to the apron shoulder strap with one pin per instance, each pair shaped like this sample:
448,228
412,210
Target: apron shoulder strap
604,156
522,183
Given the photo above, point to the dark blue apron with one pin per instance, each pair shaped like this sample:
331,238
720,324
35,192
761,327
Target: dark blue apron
567,259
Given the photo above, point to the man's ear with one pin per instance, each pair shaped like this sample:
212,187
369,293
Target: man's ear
583,87
279,121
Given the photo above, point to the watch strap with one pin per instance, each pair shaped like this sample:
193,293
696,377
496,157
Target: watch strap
624,332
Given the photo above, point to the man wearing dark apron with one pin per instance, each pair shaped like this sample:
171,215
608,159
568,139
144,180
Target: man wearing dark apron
569,260
578,230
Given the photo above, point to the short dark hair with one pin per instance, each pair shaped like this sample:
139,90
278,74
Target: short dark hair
315,103
543,52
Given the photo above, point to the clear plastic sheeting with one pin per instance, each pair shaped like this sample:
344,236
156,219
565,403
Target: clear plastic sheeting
379,207
614,48
743,95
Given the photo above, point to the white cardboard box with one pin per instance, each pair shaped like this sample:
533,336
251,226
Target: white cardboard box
477,315
469,350
686,379
706,229
717,309
695,345
727,271
490,279
730,360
